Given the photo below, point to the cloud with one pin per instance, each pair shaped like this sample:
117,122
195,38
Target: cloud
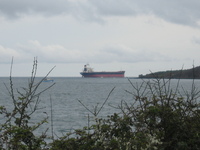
184,12
7,54
14,9
196,40
121,53
50,53
59,54
115,7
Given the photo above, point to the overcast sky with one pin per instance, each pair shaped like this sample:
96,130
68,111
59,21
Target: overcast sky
137,36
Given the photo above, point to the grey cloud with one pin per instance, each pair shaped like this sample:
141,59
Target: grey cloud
184,12
176,11
196,40
60,54
127,55
16,8
114,7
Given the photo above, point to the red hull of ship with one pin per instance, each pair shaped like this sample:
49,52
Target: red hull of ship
104,75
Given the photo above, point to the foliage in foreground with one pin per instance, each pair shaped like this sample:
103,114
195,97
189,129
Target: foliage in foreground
159,117
17,133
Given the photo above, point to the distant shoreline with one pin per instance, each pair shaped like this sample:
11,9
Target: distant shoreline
193,73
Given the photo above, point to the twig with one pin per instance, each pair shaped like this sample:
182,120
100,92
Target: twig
51,118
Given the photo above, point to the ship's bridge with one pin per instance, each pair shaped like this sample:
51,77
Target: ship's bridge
87,68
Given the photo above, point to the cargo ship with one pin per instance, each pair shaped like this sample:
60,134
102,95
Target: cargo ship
89,72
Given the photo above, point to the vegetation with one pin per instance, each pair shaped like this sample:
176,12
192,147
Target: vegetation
160,117
16,133
193,73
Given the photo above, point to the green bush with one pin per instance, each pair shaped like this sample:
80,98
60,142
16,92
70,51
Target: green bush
16,132
160,117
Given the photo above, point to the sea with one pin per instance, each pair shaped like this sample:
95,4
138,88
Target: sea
71,102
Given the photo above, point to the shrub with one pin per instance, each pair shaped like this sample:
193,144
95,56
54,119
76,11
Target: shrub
160,117
16,133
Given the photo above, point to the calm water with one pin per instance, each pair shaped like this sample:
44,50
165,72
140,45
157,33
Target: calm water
68,113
